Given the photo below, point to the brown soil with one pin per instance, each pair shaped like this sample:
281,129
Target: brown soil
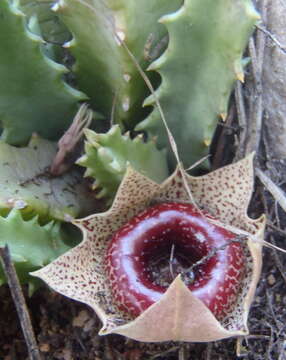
68,330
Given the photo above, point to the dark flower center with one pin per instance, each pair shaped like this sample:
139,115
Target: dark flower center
168,239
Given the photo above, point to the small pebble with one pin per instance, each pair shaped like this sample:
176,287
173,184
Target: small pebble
44,347
271,279
81,319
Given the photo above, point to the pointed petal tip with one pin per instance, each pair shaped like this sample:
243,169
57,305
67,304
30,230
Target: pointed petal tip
37,273
177,316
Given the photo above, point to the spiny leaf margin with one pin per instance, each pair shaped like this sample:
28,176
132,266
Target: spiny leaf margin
34,97
198,70
106,72
31,245
48,25
108,155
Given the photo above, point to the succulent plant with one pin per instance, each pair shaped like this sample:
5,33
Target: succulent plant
107,156
197,69
33,96
87,273
26,185
32,245
71,64
33,204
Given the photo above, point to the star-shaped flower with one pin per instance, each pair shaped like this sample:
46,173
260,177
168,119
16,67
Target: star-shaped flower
179,315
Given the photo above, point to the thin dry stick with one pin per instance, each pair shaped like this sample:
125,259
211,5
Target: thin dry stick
278,261
220,153
256,106
209,348
260,38
170,350
70,139
269,299
171,261
272,37
255,116
182,353
276,211
188,274
19,301
276,228
197,163
257,336
240,104
241,113
275,191
240,350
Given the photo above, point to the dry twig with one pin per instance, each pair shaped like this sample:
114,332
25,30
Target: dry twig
242,119
278,261
272,37
250,115
20,304
275,191
209,351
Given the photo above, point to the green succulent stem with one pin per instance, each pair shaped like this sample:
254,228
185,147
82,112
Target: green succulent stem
103,68
107,156
34,97
31,245
198,69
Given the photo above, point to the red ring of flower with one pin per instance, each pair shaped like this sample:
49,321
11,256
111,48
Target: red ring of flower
216,281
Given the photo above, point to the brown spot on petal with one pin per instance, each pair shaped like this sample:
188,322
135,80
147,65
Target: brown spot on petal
80,274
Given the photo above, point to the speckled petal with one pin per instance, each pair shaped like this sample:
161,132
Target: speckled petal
79,274
226,192
179,315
